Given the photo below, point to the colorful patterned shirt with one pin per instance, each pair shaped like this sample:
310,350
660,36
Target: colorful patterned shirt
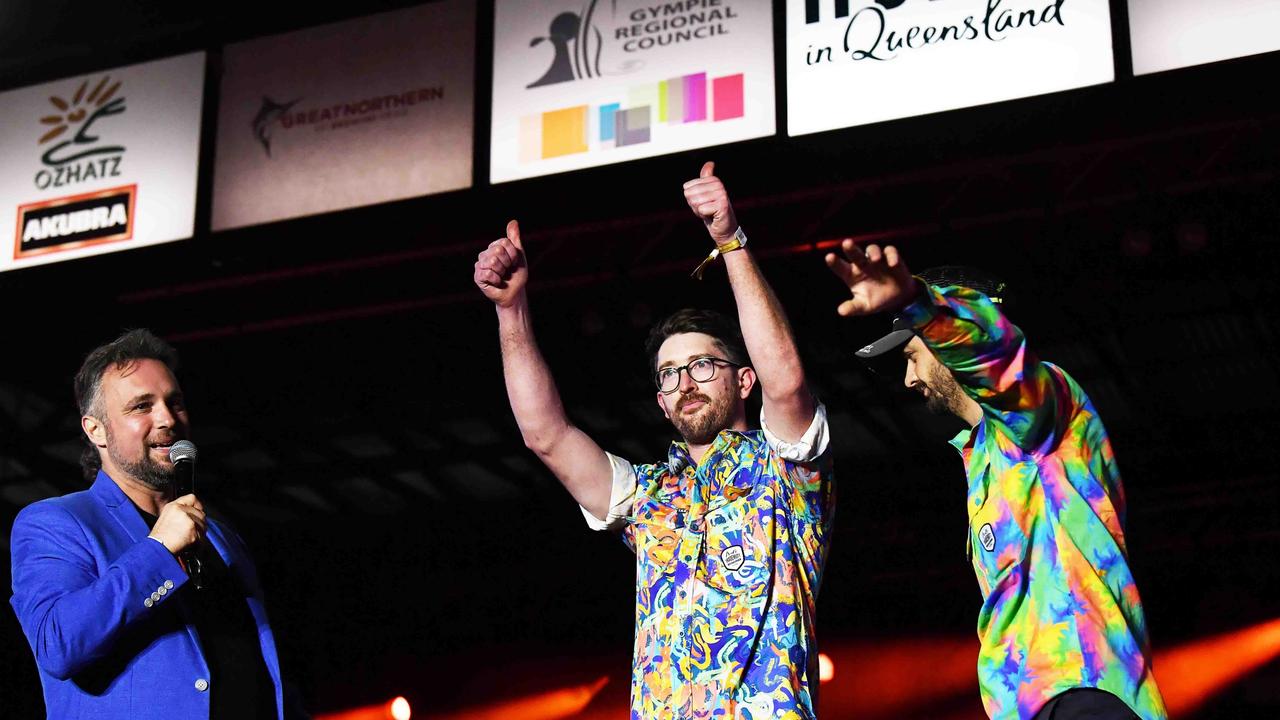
729,557
1046,520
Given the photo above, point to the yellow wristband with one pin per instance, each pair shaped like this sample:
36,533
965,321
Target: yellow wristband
738,242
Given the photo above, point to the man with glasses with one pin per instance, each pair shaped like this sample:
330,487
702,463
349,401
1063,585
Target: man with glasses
731,530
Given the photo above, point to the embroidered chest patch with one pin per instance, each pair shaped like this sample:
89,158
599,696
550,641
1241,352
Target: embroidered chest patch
987,537
732,557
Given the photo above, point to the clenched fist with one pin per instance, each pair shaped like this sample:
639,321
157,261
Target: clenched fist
501,271
181,524
710,201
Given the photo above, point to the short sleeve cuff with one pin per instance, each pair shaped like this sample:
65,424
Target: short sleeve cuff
811,445
621,496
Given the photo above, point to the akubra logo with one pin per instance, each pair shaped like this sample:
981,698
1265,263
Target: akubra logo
78,116
583,59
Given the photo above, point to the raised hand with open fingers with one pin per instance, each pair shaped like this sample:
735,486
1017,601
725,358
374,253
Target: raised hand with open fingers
501,271
709,200
878,279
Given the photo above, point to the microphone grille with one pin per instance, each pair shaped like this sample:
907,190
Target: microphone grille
182,450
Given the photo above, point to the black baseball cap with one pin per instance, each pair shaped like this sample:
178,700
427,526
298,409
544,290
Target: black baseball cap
943,276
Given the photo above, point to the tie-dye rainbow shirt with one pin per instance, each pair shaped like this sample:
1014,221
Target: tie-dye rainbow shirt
729,557
1046,520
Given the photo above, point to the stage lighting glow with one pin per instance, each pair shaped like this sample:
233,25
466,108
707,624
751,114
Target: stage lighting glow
552,705
399,709
1191,674
826,668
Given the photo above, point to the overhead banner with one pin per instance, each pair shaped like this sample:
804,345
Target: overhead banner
854,62
582,83
338,116
1168,34
100,162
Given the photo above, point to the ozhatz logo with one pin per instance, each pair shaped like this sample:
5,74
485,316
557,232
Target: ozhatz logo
84,155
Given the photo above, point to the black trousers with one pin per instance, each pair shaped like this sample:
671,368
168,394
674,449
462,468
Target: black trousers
1086,704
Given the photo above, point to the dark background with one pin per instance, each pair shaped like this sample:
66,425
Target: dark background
346,390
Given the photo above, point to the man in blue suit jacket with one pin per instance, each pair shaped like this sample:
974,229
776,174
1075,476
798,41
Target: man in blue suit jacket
99,586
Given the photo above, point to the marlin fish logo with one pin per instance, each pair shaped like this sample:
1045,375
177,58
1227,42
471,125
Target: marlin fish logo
268,115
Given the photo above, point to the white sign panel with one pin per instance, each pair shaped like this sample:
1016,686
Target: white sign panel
581,83
1167,34
854,62
355,113
100,162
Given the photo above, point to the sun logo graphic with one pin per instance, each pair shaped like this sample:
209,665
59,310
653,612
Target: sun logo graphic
78,116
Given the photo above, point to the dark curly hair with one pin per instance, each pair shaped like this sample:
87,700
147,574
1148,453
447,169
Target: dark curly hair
708,322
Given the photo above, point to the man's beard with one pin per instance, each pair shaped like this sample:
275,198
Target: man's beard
145,470
945,396
702,427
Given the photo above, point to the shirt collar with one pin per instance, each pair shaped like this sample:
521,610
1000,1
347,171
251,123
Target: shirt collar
961,439
678,457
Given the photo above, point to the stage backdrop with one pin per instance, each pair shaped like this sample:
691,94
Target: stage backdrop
854,62
359,112
581,83
1169,34
100,162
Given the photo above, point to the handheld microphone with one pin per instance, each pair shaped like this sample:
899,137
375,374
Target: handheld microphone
183,456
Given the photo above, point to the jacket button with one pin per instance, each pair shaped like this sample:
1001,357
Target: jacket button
202,684
155,597
162,590
168,584
148,602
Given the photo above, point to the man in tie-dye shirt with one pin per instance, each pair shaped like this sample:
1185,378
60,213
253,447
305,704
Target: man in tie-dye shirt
730,532
1061,627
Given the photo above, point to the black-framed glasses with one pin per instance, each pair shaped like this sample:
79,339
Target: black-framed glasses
700,370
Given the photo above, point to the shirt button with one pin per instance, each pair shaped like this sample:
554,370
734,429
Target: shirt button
148,602
155,597
168,584
162,590
202,684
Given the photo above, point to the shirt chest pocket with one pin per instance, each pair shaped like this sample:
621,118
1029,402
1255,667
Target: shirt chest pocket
736,555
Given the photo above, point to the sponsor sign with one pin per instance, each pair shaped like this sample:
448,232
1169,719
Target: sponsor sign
579,83
854,62
366,111
100,162
1167,34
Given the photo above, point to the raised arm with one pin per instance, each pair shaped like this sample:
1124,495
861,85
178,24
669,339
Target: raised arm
987,354
788,405
501,273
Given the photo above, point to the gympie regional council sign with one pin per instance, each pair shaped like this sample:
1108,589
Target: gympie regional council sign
854,62
100,162
581,83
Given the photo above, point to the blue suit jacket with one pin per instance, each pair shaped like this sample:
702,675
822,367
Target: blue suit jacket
85,585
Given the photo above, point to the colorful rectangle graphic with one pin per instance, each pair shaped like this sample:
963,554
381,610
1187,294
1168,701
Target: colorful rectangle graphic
672,102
